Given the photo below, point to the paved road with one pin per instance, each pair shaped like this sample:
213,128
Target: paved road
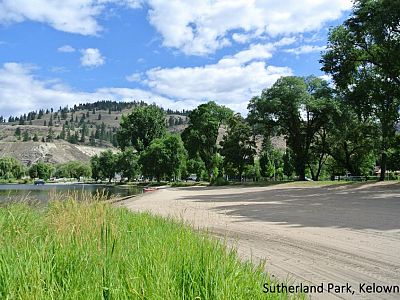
314,235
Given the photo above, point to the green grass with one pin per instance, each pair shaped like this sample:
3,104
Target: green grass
92,250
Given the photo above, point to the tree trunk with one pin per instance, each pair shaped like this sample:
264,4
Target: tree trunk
383,166
302,174
312,173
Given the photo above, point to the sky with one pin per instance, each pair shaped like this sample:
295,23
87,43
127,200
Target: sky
175,53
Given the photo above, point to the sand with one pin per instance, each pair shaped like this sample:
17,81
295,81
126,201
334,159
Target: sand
308,234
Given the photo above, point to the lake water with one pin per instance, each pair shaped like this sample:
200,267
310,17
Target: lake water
42,193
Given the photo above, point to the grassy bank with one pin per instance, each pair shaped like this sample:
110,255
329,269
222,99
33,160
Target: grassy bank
92,250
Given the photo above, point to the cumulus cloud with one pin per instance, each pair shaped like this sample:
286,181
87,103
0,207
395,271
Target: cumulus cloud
21,91
134,77
66,48
305,49
91,57
232,81
201,27
196,28
78,16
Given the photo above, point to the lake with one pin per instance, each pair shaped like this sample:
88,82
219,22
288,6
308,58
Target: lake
42,193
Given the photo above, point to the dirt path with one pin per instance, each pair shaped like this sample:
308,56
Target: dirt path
331,234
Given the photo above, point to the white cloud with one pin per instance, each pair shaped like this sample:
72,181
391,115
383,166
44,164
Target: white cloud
232,81
91,57
21,92
134,77
192,26
66,48
74,16
241,37
305,49
201,27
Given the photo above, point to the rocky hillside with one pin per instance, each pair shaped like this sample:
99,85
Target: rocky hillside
78,133
53,152
70,133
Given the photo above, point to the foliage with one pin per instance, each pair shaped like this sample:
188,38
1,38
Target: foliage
10,168
296,108
253,171
352,142
127,163
238,145
196,166
271,160
104,166
73,169
165,157
96,168
107,162
200,137
393,162
41,170
141,127
362,57
219,181
288,164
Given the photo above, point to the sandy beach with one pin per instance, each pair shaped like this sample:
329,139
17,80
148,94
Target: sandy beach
311,234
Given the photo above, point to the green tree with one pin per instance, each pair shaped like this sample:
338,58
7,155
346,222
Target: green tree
393,163
40,170
127,163
271,160
352,141
25,136
196,166
165,157
73,169
141,127
96,168
363,58
296,108
18,133
108,164
238,146
200,137
10,168
50,135
288,163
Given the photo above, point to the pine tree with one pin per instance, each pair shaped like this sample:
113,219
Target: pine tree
50,135
25,136
18,133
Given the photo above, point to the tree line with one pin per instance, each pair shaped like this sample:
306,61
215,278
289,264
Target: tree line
347,126
343,127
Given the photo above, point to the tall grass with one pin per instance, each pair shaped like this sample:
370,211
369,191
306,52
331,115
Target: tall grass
91,250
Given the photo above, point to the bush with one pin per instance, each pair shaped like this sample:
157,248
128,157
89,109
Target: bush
219,181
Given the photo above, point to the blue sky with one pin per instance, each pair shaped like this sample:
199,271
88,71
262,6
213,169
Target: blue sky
177,54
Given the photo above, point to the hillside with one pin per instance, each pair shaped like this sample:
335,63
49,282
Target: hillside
79,132
70,133
53,152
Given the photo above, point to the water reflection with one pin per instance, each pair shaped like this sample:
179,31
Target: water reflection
42,193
